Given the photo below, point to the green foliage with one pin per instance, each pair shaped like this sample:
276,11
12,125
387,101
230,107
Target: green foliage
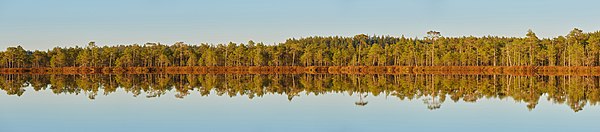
575,49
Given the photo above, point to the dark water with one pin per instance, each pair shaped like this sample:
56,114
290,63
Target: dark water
300,102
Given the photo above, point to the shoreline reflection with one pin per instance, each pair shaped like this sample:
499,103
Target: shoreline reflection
574,91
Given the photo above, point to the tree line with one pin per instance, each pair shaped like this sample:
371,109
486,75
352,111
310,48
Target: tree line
575,49
575,91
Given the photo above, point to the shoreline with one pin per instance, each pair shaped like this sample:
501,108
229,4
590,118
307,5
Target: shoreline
442,70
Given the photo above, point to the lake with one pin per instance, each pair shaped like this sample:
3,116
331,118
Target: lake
298,102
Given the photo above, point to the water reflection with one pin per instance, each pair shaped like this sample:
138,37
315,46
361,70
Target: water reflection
574,91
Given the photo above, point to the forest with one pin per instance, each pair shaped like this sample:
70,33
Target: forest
573,91
577,48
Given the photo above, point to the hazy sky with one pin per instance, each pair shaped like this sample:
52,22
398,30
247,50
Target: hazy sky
45,24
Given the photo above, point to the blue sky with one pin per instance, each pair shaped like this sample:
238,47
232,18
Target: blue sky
45,24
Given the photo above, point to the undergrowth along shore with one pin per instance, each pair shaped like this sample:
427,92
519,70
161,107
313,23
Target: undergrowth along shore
449,70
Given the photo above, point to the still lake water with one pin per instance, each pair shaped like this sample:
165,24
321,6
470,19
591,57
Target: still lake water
59,103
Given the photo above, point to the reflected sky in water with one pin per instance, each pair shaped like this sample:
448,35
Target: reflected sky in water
59,103
45,111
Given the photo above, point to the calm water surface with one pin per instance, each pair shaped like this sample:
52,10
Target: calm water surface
298,103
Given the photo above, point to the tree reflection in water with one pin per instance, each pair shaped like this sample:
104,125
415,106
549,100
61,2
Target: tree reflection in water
575,91
361,102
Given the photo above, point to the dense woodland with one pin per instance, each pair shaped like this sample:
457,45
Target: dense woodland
575,49
575,91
